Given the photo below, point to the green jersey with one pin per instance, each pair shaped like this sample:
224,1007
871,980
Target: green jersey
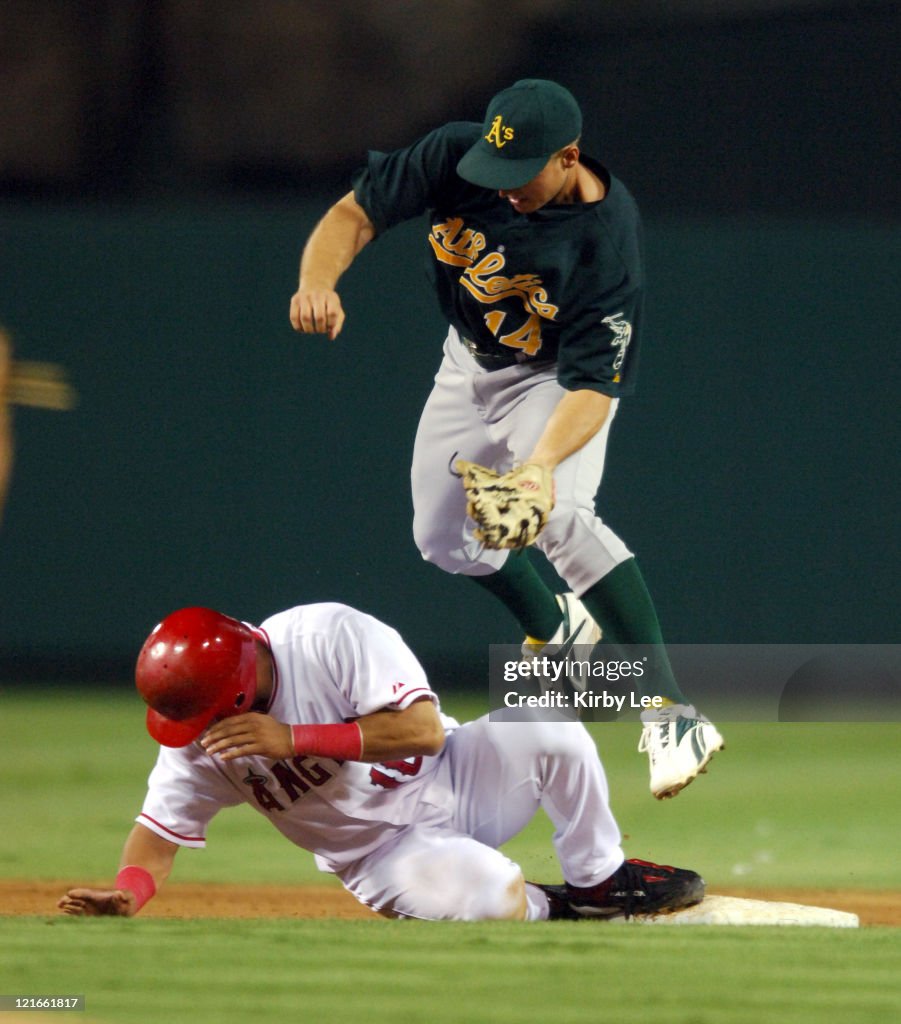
561,285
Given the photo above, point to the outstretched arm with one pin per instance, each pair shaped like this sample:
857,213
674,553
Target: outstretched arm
144,850
332,247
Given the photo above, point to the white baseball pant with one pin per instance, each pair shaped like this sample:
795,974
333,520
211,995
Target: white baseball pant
496,775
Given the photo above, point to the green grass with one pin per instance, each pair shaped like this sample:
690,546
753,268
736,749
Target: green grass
382,971
811,805
784,804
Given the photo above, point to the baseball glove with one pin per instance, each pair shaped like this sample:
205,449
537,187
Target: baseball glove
509,509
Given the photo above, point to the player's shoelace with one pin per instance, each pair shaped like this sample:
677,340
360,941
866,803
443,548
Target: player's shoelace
659,734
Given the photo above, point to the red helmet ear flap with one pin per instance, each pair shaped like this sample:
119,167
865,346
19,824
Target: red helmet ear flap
196,665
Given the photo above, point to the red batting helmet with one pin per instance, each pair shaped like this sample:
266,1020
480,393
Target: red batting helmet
195,666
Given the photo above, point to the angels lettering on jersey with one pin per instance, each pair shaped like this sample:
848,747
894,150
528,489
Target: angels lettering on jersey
293,779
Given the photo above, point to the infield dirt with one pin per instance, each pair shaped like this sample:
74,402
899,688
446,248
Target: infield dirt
185,900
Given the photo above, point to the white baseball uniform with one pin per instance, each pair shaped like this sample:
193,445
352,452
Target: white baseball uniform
412,838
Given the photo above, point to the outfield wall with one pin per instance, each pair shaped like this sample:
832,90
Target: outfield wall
215,457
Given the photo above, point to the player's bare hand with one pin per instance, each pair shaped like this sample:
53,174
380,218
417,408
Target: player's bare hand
245,735
317,311
98,903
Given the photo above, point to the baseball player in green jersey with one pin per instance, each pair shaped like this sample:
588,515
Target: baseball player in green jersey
534,251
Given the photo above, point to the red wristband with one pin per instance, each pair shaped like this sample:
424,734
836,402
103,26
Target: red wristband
139,881
341,741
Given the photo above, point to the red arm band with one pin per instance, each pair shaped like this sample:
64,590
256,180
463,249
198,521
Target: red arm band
341,741
139,881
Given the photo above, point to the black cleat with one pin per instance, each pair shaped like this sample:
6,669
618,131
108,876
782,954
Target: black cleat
637,887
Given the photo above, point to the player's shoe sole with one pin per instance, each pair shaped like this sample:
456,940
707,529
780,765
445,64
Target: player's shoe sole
679,743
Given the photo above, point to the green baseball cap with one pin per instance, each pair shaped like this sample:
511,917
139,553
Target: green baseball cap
524,126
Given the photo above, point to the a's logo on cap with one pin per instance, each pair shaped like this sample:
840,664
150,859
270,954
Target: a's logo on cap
499,134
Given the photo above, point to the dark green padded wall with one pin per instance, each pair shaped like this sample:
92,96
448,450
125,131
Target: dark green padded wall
216,457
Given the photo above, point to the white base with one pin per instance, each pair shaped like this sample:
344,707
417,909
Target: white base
734,910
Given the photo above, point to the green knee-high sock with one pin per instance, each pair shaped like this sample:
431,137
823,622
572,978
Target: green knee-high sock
622,607
526,596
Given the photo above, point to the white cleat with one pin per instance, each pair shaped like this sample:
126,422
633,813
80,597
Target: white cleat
577,627
679,743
